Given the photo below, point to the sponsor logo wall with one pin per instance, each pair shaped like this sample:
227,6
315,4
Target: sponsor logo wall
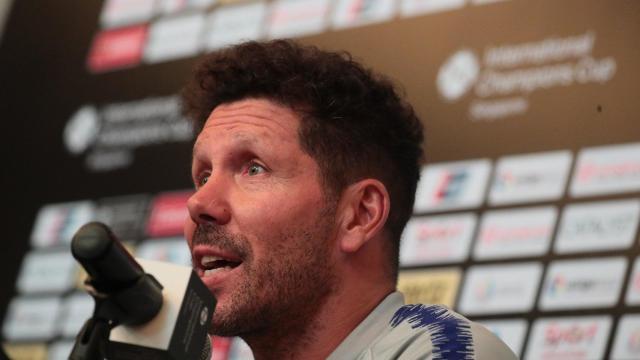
532,233
528,248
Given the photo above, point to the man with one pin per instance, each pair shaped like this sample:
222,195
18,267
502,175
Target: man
305,169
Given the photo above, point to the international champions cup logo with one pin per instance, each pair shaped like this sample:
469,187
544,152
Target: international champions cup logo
81,130
109,134
458,74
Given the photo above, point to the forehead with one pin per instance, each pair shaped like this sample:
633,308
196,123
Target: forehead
249,124
255,114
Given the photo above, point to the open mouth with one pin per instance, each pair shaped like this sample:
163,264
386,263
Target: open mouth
213,264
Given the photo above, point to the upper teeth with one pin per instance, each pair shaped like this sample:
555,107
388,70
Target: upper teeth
206,260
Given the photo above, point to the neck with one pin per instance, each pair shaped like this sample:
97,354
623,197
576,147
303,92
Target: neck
317,336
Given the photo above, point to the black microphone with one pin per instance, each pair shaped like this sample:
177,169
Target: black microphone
113,271
151,321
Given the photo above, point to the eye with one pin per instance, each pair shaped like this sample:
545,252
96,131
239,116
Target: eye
255,169
201,180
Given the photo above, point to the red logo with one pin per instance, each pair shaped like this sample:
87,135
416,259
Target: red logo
493,234
571,335
590,171
113,49
168,213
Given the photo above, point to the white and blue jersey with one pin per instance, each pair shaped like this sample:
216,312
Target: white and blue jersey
397,331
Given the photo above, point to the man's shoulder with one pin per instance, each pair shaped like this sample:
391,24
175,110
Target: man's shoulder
397,331
420,331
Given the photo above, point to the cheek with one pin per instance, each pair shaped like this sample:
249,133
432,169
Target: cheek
277,218
286,211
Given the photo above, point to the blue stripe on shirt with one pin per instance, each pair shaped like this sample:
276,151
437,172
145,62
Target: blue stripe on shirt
451,336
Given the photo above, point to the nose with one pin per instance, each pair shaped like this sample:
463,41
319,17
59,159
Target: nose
208,206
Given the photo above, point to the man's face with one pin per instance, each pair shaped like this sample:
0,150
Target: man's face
261,231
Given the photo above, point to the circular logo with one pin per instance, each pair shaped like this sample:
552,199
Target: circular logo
204,314
458,74
81,130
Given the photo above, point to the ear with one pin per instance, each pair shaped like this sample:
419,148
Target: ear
364,209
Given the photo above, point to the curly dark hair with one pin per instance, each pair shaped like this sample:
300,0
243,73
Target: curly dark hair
353,121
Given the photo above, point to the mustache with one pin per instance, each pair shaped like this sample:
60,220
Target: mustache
211,235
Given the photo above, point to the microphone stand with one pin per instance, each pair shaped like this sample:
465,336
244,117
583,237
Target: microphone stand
91,342
131,306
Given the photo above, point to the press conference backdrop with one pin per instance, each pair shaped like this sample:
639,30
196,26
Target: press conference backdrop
526,217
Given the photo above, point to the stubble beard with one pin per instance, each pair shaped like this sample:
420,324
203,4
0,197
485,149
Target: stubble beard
282,292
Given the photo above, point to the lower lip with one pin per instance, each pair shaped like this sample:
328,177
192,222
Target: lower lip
215,280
